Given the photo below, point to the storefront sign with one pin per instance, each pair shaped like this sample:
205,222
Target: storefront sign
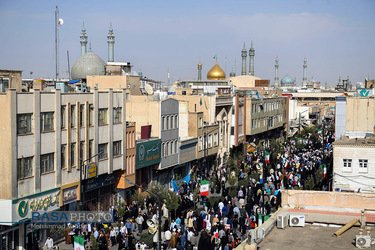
148,153
100,181
70,195
91,170
42,202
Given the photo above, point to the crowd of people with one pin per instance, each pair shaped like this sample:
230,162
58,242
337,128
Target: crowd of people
222,219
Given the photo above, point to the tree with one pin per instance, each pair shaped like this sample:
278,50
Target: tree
94,242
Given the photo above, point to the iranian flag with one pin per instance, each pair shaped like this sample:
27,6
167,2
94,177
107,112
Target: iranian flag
79,243
267,157
204,188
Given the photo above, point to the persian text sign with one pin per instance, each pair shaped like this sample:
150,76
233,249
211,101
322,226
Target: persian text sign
42,202
148,153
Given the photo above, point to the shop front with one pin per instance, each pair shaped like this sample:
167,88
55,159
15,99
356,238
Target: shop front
98,192
69,196
16,229
148,156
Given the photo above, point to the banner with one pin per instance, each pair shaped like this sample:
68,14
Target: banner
79,243
176,184
205,188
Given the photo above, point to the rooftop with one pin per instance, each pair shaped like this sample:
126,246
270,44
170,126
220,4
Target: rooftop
359,142
310,237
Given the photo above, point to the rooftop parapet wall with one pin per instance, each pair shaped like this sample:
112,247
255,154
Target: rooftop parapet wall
331,200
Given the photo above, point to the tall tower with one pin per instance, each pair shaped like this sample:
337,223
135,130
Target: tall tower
199,70
83,39
244,55
111,42
251,55
304,79
277,84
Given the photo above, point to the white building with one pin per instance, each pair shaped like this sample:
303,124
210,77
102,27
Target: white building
354,164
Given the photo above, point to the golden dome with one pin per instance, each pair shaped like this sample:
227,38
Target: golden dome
216,73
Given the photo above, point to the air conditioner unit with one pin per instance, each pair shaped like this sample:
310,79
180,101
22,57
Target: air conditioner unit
296,220
363,241
282,221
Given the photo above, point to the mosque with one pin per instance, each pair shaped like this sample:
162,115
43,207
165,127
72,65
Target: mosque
91,64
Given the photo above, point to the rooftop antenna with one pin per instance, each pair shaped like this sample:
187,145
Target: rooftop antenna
58,22
169,76
67,52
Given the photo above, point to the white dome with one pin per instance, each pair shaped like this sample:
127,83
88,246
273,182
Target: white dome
88,64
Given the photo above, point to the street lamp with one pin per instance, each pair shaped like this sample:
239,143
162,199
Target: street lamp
158,198
81,165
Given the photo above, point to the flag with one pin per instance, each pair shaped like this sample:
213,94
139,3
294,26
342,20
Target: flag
325,171
282,184
79,243
216,236
267,157
204,188
214,57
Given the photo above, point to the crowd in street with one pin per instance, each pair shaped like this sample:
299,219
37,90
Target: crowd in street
222,222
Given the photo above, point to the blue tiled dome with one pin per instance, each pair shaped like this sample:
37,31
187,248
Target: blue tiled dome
287,81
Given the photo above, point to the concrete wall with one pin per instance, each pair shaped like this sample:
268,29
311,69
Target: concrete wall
360,116
144,111
330,200
340,117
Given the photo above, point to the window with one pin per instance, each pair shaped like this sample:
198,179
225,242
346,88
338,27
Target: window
91,148
216,139
63,153
200,122
200,143
81,151
176,121
210,140
363,165
81,112
24,167
24,123
347,164
103,151
46,122
72,154
116,148
103,117
63,109
117,115
162,123
164,149
46,163
169,148
91,114
170,122
176,147
72,115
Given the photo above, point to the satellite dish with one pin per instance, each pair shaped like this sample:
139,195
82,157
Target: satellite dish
149,89
61,22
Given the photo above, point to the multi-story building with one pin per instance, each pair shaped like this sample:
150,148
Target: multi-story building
162,120
52,145
354,164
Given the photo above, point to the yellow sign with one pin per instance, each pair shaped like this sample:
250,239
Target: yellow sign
91,171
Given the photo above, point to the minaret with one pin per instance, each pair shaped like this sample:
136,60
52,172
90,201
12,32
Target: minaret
199,70
251,55
111,42
277,72
304,79
244,55
83,39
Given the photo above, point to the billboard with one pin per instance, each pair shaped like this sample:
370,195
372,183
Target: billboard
148,153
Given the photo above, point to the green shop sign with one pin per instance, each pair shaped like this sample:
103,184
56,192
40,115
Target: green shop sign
148,153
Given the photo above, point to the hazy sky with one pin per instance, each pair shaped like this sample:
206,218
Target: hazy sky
337,37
